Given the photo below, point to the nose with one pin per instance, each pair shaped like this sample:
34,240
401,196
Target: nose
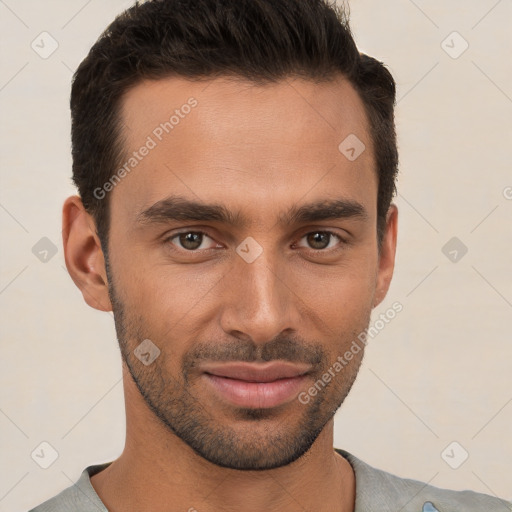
259,300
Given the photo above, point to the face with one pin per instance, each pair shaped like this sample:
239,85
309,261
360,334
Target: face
243,249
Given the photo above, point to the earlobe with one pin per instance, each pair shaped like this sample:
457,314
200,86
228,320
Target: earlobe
387,256
83,254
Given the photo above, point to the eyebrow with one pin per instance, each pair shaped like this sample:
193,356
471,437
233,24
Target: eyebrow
178,208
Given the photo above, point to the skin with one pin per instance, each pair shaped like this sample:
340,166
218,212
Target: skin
257,150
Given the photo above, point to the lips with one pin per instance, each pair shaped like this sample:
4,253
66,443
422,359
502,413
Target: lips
252,372
251,385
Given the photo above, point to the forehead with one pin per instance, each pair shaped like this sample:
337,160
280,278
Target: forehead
234,142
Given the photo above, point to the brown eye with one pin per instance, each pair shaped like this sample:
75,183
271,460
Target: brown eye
321,240
189,240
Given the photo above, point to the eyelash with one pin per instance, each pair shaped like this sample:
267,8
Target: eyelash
340,245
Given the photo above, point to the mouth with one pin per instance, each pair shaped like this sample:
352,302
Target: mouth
256,386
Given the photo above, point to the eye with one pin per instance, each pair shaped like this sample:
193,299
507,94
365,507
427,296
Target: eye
190,241
321,240
196,241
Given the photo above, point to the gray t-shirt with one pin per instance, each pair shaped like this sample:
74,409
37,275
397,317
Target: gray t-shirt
376,491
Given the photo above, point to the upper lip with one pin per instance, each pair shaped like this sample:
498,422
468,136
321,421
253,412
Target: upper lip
256,372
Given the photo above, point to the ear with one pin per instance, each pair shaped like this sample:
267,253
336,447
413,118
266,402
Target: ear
83,254
387,256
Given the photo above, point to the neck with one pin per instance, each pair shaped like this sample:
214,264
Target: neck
157,471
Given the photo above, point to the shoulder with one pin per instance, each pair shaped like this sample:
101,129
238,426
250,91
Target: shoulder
383,491
79,497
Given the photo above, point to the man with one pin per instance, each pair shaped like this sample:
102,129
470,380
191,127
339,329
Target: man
236,163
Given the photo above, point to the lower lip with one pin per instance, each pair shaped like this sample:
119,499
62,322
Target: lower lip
256,395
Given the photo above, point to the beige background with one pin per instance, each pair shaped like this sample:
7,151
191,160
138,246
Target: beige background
438,373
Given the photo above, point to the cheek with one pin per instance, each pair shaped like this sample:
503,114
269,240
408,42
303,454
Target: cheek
343,290
170,297
342,307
